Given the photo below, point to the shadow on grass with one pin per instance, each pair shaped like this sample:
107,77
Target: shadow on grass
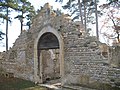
18,84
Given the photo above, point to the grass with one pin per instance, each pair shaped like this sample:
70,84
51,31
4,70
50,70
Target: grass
18,84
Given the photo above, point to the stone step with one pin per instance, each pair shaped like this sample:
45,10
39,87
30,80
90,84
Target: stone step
52,86
76,88
8,63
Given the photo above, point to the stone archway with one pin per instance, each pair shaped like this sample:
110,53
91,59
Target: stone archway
48,38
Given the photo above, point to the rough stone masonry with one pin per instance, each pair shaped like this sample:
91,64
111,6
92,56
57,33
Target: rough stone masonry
55,47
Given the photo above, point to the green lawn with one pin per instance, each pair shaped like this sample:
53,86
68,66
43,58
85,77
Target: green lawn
17,84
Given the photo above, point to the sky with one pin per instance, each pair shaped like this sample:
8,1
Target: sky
14,27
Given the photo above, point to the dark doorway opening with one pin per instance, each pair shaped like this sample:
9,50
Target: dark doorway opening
48,58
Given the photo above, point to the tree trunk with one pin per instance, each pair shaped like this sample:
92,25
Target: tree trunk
7,30
85,19
21,21
118,36
96,15
80,10
21,25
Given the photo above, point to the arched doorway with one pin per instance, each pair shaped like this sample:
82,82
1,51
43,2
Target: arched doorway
48,56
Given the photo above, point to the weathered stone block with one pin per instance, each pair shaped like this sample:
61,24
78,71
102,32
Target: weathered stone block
84,79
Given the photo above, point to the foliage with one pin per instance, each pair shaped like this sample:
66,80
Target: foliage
1,33
4,17
9,3
7,6
72,6
112,20
58,12
27,11
4,6
86,10
114,3
59,1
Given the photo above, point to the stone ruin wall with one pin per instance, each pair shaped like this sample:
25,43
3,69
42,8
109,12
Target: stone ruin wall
82,57
19,59
85,65
115,55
